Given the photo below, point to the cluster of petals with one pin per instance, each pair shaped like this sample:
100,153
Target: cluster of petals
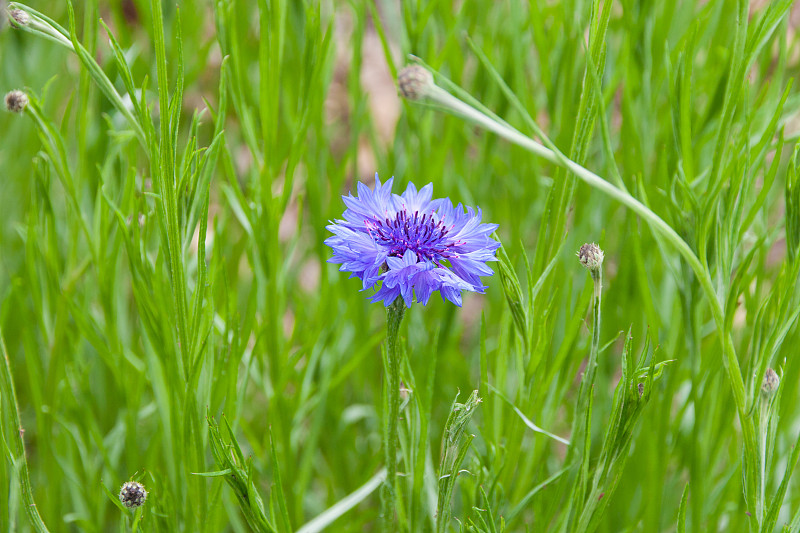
410,245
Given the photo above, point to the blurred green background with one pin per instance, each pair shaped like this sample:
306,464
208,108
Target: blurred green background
295,102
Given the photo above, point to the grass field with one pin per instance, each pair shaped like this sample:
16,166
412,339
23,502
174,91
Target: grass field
169,316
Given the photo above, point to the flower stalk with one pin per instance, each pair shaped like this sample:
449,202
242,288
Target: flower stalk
591,257
394,317
769,387
15,445
763,425
27,19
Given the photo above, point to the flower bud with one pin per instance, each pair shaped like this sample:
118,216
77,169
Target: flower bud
414,82
18,17
591,256
16,101
132,494
770,383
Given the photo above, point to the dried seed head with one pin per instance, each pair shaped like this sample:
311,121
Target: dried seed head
770,383
18,17
591,256
132,494
414,82
16,101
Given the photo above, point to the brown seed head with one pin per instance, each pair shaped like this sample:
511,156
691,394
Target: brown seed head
132,494
16,101
591,256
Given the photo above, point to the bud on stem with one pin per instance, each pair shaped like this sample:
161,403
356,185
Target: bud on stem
414,82
132,494
16,101
591,256
18,18
770,383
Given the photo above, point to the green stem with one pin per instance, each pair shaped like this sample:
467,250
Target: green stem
580,436
394,316
16,448
762,463
591,369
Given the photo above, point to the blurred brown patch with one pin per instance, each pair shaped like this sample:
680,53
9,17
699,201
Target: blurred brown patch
378,86
309,275
470,314
288,323
378,83
287,227
130,12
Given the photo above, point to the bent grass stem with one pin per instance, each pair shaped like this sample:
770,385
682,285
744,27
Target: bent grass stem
550,153
394,316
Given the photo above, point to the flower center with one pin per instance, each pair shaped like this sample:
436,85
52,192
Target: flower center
424,235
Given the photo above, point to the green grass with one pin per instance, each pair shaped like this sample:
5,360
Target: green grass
168,315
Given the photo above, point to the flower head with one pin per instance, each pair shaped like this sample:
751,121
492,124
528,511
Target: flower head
132,494
412,245
770,383
591,256
414,82
18,17
16,101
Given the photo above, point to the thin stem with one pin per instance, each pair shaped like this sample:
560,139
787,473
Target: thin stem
762,463
597,278
580,434
16,450
394,316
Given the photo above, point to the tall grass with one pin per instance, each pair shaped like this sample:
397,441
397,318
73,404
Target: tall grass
168,316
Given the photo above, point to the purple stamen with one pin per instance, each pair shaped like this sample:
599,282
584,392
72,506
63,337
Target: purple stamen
425,236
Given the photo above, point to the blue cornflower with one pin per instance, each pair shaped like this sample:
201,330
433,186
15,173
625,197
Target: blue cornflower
412,245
